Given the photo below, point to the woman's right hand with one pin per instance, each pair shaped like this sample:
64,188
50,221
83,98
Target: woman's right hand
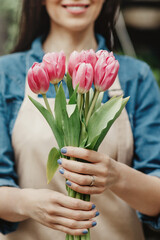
57,211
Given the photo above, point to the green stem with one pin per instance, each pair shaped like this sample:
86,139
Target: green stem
47,103
71,237
83,237
71,193
86,104
92,106
56,87
67,236
87,197
78,195
77,237
80,102
88,235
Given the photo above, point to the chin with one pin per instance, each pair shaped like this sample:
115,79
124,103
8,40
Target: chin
78,26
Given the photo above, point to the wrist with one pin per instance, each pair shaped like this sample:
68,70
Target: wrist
11,204
24,204
118,169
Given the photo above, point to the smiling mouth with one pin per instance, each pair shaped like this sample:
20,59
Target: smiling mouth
77,7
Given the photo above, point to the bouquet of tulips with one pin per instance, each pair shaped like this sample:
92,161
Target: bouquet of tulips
82,120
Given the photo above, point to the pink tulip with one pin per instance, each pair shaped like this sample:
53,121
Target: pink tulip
86,56
83,74
103,52
74,59
38,79
105,71
54,63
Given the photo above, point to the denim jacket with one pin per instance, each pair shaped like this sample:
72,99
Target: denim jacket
143,110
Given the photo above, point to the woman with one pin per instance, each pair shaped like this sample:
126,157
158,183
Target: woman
117,188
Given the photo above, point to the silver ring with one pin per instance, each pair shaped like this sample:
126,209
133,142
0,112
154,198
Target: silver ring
92,181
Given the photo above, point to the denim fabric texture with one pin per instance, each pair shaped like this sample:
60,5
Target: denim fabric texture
143,109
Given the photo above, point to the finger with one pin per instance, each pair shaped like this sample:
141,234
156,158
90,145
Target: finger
83,180
85,189
76,204
74,214
82,167
81,153
67,230
73,224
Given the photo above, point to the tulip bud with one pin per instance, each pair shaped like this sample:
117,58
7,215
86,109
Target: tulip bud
74,59
103,52
83,74
87,56
54,64
105,71
38,79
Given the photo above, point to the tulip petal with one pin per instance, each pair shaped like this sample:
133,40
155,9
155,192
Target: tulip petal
106,70
38,79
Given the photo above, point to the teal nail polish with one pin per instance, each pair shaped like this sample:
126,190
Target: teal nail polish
93,206
59,161
63,150
61,171
68,183
94,224
85,232
97,214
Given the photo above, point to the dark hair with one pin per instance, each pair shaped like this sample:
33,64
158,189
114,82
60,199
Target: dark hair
35,22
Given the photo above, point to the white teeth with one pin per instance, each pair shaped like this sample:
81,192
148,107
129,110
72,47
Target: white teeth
76,8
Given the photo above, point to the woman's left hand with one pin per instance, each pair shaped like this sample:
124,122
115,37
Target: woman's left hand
91,177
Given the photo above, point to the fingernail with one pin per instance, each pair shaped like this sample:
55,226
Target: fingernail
93,206
97,214
61,171
59,161
85,231
94,224
63,150
68,183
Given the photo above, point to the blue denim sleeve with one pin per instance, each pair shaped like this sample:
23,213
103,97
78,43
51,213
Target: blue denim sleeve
8,176
147,134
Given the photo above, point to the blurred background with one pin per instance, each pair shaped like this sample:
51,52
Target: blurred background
137,34
137,31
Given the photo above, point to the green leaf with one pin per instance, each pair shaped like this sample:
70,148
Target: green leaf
67,118
83,136
91,94
68,81
52,164
73,98
101,120
73,128
104,132
99,101
61,115
60,106
50,120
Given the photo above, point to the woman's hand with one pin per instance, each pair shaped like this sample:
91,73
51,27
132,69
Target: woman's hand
60,212
143,191
91,177
50,208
